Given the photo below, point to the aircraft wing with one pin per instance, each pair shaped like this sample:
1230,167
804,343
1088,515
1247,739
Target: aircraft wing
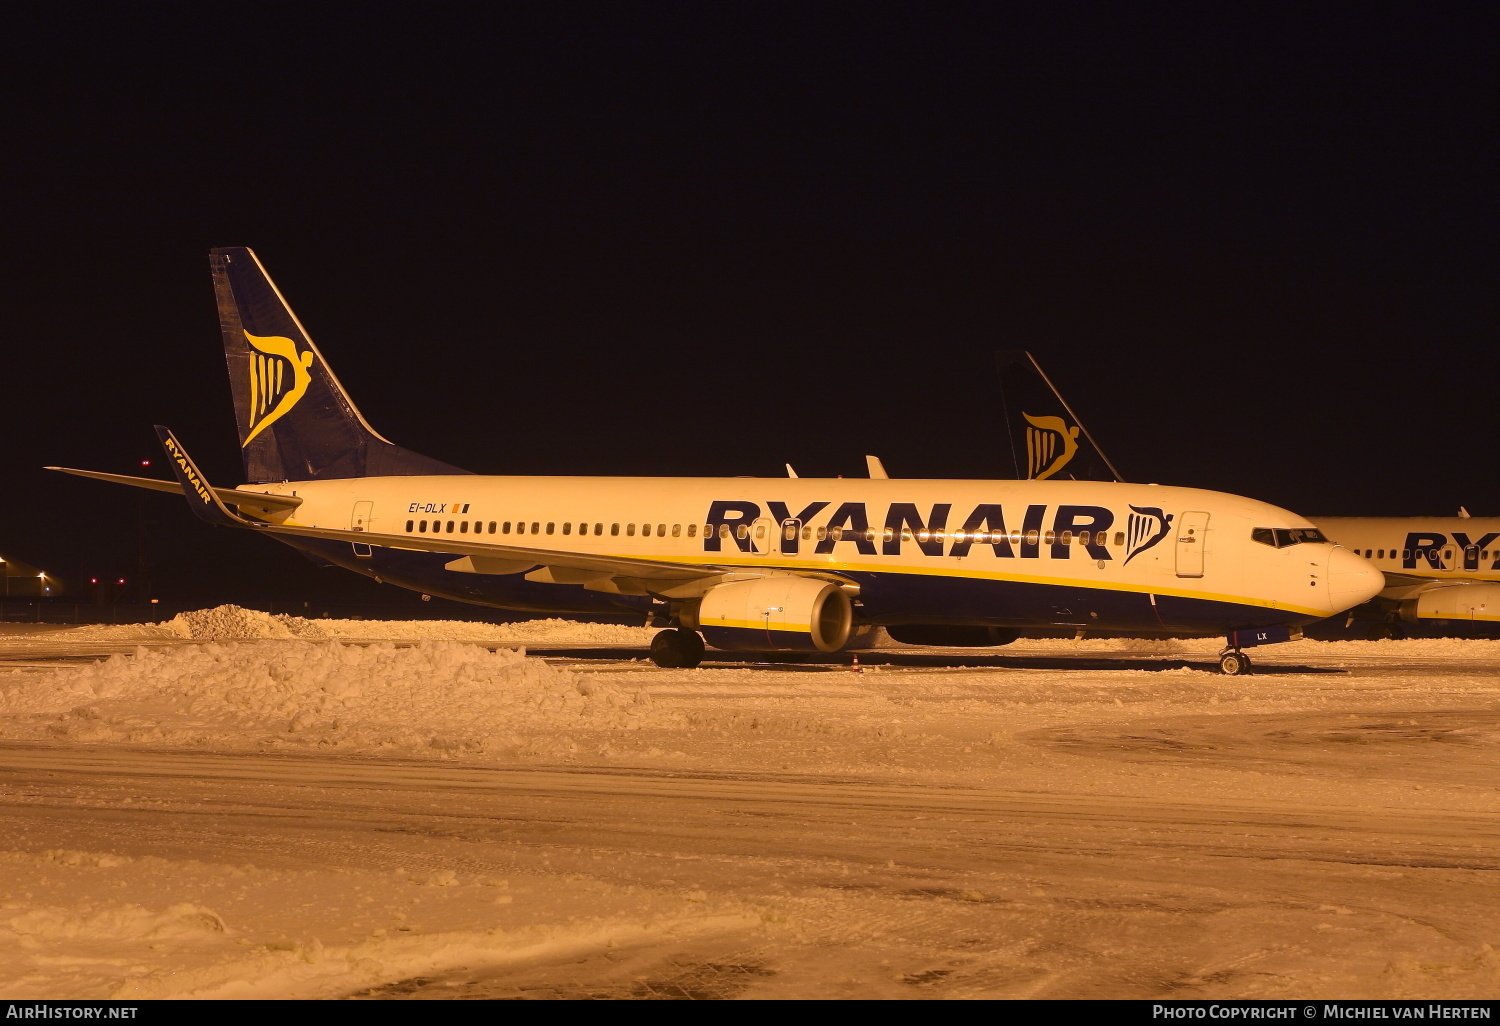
233,496
623,574
1406,585
622,566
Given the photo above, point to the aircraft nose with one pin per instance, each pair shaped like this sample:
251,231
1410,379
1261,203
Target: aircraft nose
1352,579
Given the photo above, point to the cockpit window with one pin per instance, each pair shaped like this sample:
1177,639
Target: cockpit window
1281,537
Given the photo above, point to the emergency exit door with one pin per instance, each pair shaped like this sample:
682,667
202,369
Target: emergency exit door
360,521
1192,532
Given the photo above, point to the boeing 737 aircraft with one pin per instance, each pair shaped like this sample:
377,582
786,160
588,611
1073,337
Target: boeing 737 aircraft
747,564
1436,568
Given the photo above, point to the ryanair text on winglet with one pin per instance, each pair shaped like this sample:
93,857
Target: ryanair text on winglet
188,472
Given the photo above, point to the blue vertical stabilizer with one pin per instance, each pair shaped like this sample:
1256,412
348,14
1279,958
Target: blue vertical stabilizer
296,423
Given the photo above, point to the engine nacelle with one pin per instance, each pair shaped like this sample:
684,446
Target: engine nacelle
776,614
953,635
1476,601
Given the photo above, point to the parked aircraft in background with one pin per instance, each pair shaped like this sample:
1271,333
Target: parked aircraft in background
1438,570
769,564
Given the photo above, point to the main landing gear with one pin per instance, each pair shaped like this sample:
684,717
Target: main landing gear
677,649
1233,662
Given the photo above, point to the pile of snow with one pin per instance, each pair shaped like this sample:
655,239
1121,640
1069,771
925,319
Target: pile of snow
528,632
431,699
235,622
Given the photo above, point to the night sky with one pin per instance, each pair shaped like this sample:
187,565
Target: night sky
1256,250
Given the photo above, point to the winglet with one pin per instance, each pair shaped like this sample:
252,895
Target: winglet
200,494
876,468
789,471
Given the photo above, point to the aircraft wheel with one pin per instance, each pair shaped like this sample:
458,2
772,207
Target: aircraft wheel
677,649
1234,663
1386,632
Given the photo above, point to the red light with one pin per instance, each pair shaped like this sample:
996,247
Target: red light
145,463
120,581
93,580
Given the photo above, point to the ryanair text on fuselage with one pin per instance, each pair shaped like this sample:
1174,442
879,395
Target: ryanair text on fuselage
1059,530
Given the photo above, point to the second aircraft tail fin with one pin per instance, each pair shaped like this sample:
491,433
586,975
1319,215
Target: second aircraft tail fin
296,422
1046,440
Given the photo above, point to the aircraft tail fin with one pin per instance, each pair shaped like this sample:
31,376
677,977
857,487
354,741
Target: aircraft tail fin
295,420
1046,439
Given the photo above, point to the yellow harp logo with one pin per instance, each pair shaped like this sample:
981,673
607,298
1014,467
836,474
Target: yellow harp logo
278,379
1050,444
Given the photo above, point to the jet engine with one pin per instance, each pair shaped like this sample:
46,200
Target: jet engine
1457,601
776,614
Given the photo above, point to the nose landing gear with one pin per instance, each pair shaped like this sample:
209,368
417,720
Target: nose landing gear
1233,662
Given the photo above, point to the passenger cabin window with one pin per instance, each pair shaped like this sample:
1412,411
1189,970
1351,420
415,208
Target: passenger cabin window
614,528
692,530
410,524
630,530
567,528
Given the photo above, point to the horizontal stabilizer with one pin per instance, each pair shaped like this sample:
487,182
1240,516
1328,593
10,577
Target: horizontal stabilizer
234,496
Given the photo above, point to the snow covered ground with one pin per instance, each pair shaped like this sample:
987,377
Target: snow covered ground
231,804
